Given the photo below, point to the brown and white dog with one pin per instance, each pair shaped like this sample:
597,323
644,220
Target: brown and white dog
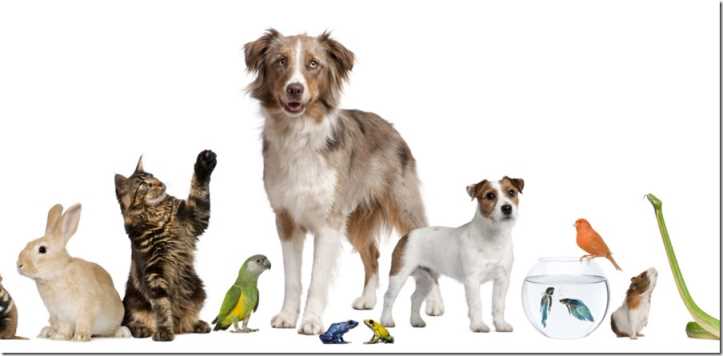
473,253
327,171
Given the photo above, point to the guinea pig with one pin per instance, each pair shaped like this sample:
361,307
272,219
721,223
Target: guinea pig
632,316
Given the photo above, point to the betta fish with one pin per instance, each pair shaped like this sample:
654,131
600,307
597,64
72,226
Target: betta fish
577,308
546,305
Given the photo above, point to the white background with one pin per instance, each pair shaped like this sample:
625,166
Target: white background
593,103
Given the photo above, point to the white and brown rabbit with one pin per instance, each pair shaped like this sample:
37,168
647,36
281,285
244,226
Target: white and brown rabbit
632,316
79,295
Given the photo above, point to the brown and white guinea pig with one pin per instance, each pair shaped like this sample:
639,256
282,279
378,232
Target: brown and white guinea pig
632,316
8,315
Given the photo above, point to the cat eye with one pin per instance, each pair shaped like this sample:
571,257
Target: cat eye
490,196
42,250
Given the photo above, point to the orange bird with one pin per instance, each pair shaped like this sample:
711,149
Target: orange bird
590,241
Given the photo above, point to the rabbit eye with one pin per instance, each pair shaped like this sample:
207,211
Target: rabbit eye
42,250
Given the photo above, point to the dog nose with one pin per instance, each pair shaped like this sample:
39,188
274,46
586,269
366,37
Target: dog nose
507,209
295,89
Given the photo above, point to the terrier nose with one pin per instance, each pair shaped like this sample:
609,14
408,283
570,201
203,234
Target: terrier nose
295,89
507,209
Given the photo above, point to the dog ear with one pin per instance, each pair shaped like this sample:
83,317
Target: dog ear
518,183
473,189
256,51
343,59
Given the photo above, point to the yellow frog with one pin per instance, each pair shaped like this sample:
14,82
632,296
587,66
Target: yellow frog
381,334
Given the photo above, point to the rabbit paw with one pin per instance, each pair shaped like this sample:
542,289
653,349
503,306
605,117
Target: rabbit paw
201,327
163,334
81,336
205,163
47,333
139,331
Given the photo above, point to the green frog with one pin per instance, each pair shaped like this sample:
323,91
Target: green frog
381,334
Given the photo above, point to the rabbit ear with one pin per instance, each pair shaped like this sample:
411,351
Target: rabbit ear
53,217
71,218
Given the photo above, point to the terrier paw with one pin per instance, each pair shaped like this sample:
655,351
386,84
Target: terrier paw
140,332
434,307
503,326
163,334
479,327
205,163
364,303
201,327
284,320
122,332
81,336
311,326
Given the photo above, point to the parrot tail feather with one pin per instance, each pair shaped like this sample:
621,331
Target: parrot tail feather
615,264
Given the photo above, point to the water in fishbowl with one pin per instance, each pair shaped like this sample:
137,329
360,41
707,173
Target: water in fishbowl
565,306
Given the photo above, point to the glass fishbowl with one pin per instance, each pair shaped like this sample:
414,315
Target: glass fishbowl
565,298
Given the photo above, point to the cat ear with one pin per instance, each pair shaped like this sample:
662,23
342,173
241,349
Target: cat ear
139,166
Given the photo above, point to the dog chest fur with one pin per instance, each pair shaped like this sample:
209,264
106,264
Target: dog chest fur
298,178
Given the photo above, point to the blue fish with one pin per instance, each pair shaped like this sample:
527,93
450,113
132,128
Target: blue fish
546,305
577,308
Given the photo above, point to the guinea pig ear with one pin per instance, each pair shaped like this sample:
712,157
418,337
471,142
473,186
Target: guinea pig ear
255,51
71,219
342,58
518,183
54,215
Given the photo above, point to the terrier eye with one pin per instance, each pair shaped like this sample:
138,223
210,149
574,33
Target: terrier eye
42,250
511,192
490,196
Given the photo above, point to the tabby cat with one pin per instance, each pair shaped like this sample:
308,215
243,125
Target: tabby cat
164,295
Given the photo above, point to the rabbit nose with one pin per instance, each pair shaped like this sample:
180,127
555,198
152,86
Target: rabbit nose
20,265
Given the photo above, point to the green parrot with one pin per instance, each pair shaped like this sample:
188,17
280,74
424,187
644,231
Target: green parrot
242,298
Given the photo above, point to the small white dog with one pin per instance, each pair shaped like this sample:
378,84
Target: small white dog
474,253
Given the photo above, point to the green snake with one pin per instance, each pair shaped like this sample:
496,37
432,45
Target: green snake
704,326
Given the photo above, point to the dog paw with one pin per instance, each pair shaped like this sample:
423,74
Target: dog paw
387,322
81,336
311,326
479,327
205,163
163,334
503,326
364,303
201,327
122,332
434,307
417,322
284,320
140,332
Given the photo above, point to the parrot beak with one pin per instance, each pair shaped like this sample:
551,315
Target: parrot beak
267,264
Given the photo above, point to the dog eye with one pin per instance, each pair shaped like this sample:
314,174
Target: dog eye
313,64
282,61
511,192
490,196
42,250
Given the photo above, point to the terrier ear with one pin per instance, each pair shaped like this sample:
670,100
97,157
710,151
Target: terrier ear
518,183
473,189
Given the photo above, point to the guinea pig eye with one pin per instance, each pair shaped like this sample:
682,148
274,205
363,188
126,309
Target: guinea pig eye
490,196
313,64
42,250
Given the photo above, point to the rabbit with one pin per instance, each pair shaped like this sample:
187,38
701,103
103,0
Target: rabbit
79,295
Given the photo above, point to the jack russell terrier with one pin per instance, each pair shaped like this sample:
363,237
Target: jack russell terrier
474,253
